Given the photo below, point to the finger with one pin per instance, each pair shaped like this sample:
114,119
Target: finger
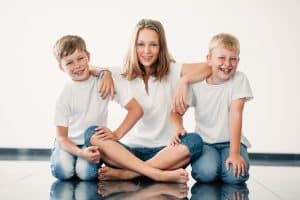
243,169
238,170
101,88
227,165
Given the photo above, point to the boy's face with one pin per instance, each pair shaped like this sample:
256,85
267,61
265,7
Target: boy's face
76,65
223,62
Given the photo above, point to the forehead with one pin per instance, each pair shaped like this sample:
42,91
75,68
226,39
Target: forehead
76,53
222,50
148,35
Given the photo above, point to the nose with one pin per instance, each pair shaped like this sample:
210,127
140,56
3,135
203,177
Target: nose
147,49
227,62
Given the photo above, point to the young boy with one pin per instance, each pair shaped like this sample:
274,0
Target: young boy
79,106
219,102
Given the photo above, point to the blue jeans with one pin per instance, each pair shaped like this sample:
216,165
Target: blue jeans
191,140
210,166
65,166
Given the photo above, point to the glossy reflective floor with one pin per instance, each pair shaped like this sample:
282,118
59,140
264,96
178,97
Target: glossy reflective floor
32,180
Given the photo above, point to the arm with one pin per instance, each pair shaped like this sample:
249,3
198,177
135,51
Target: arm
106,84
235,124
135,112
190,73
177,120
91,153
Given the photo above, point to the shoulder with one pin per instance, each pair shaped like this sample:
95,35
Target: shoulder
239,77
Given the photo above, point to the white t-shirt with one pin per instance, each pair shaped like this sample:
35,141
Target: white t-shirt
212,103
80,106
154,129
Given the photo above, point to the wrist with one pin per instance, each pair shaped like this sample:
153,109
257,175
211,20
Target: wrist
79,153
102,72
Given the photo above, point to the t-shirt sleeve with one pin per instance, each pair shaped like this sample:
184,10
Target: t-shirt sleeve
241,87
62,109
123,93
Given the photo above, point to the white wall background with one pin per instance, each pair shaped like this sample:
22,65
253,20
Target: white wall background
30,80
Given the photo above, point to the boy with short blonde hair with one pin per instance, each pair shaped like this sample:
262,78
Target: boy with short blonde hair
219,102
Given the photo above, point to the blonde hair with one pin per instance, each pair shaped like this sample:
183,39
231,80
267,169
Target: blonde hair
225,40
132,66
67,45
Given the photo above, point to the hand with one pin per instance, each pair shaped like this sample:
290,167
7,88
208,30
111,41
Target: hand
104,133
180,98
238,164
92,154
106,85
176,138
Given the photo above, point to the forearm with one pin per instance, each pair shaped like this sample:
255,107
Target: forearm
192,73
134,113
235,121
177,121
65,143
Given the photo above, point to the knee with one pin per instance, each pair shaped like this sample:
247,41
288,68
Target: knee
194,143
88,134
86,171
228,177
204,171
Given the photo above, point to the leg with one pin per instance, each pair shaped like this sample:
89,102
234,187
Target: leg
227,176
114,153
169,158
62,163
85,170
181,155
207,167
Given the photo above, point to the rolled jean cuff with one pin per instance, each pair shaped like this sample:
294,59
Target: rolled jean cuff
88,134
194,143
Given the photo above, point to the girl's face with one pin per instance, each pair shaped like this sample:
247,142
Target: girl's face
147,47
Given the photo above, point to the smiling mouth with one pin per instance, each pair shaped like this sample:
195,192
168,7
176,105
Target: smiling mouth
225,70
77,73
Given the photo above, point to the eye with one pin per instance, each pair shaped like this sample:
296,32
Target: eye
140,44
233,58
69,63
154,45
221,58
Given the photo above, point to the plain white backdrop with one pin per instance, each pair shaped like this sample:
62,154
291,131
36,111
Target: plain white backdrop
31,81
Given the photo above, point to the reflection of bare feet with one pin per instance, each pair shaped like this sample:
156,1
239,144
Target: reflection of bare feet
111,174
177,176
106,188
178,190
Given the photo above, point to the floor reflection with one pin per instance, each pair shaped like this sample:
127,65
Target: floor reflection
112,190
219,191
71,190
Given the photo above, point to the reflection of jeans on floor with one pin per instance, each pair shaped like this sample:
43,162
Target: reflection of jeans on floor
65,166
210,166
71,190
224,191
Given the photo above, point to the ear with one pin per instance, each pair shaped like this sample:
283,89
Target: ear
88,55
61,68
208,59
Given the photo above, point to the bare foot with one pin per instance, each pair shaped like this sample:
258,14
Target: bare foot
176,176
112,174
